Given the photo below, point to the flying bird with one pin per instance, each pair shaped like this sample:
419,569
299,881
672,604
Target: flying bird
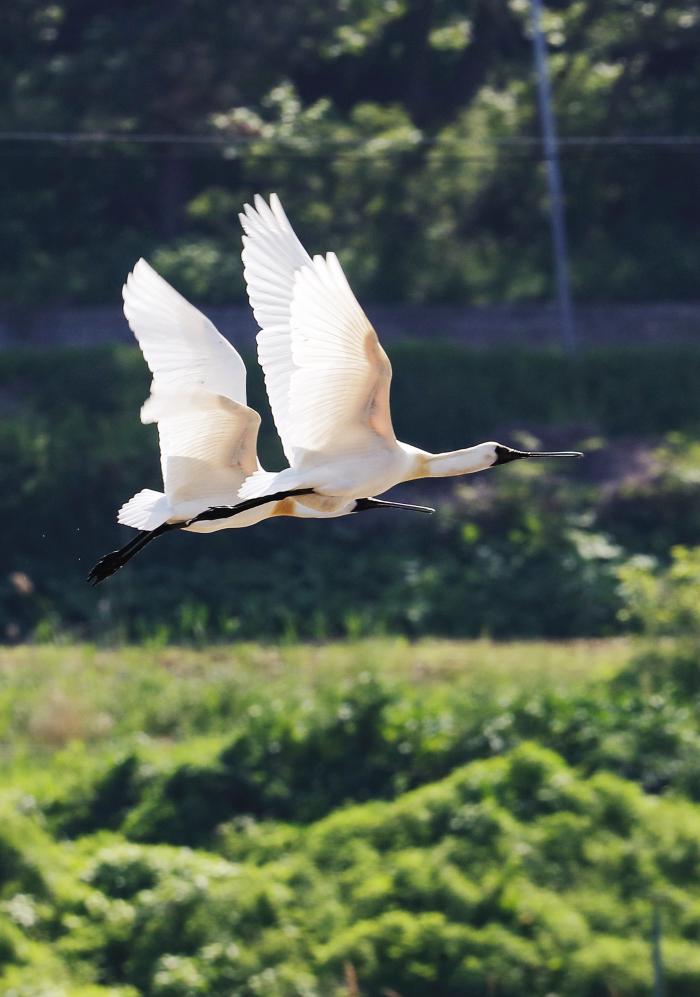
327,378
207,432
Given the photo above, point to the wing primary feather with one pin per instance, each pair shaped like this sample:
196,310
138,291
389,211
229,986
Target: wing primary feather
207,433
326,375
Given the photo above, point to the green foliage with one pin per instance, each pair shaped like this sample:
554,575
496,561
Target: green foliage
664,602
657,502
514,834
19,871
494,876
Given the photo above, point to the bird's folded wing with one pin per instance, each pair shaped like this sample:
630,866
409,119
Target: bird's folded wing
181,346
208,444
326,373
272,255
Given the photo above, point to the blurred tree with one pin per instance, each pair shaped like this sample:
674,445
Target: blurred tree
394,131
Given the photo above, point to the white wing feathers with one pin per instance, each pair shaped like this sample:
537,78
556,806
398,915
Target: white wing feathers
207,433
145,511
326,373
207,445
180,345
339,392
271,256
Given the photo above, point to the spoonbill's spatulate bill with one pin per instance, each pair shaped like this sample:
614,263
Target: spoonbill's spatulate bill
327,378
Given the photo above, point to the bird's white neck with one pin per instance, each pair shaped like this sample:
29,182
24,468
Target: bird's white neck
454,462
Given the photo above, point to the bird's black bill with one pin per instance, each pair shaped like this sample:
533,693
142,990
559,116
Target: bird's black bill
554,453
506,454
366,504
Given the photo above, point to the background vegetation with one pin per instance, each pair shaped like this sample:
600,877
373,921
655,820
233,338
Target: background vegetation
526,550
192,800
402,134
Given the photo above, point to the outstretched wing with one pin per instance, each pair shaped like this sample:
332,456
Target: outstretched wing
326,373
207,433
182,348
339,389
272,255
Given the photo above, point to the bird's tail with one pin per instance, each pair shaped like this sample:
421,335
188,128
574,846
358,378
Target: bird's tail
147,510
259,483
116,559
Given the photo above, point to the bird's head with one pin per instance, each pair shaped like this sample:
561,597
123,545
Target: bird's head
504,455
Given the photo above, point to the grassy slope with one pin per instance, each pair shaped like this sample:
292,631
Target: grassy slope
51,695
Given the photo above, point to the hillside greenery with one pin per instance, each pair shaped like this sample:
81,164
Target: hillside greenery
515,873
526,550
404,135
373,817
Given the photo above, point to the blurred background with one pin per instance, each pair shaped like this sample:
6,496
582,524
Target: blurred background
401,755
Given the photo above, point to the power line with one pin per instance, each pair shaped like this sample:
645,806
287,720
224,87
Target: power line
243,142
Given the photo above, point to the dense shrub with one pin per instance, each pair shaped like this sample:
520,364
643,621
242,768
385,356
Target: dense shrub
514,873
509,866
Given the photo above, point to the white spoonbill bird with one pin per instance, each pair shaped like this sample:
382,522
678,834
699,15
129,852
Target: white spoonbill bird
207,432
328,378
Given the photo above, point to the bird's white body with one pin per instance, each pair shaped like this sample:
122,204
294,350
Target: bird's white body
372,471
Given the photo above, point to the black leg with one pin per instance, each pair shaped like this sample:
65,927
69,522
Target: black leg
116,559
